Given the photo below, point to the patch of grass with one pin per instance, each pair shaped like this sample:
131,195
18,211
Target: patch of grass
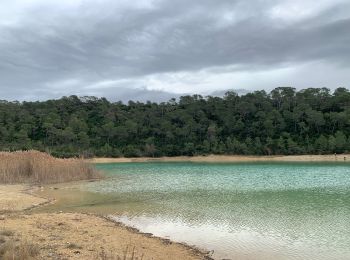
73,246
38,167
6,233
12,250
130,253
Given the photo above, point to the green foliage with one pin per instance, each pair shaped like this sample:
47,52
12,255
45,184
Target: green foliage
282,122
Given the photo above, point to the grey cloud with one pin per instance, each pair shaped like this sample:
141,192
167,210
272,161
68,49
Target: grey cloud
100,40
138,94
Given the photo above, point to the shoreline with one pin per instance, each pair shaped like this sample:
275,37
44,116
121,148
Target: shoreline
227,159
80,235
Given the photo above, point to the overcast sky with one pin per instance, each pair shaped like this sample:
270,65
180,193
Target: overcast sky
144,49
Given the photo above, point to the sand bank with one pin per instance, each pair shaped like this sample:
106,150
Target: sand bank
229,158
76,235
18,197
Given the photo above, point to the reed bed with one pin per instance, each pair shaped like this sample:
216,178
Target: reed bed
42,168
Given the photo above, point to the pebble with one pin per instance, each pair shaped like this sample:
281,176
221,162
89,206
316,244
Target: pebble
2,217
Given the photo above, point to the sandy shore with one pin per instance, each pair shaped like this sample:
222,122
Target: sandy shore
230,158
18,197
75,235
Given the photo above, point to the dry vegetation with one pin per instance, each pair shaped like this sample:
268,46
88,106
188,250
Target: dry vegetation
128,254
38,167
12,248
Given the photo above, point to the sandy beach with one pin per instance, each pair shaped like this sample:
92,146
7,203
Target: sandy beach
230,158
75,235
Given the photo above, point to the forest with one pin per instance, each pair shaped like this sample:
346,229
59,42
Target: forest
282,122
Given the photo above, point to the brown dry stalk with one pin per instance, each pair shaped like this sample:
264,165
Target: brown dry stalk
38,167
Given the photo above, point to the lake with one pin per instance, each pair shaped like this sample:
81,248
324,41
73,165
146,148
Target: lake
237,210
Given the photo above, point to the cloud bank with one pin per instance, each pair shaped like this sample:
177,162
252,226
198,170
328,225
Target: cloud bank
155,48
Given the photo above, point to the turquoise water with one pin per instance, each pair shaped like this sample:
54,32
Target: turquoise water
240,211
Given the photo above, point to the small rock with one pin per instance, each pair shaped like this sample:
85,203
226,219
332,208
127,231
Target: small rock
166,241
2,217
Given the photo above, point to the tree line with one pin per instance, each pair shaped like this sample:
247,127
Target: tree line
284,121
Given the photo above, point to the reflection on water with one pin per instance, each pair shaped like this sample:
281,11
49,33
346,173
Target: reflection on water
248,211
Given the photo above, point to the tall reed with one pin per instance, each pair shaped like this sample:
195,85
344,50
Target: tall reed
38,167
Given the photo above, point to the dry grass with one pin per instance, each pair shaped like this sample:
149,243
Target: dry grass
73,246
14,249
38,167
130,253
6,233
11,249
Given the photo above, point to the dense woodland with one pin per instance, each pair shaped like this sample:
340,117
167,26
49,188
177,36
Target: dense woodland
284,121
